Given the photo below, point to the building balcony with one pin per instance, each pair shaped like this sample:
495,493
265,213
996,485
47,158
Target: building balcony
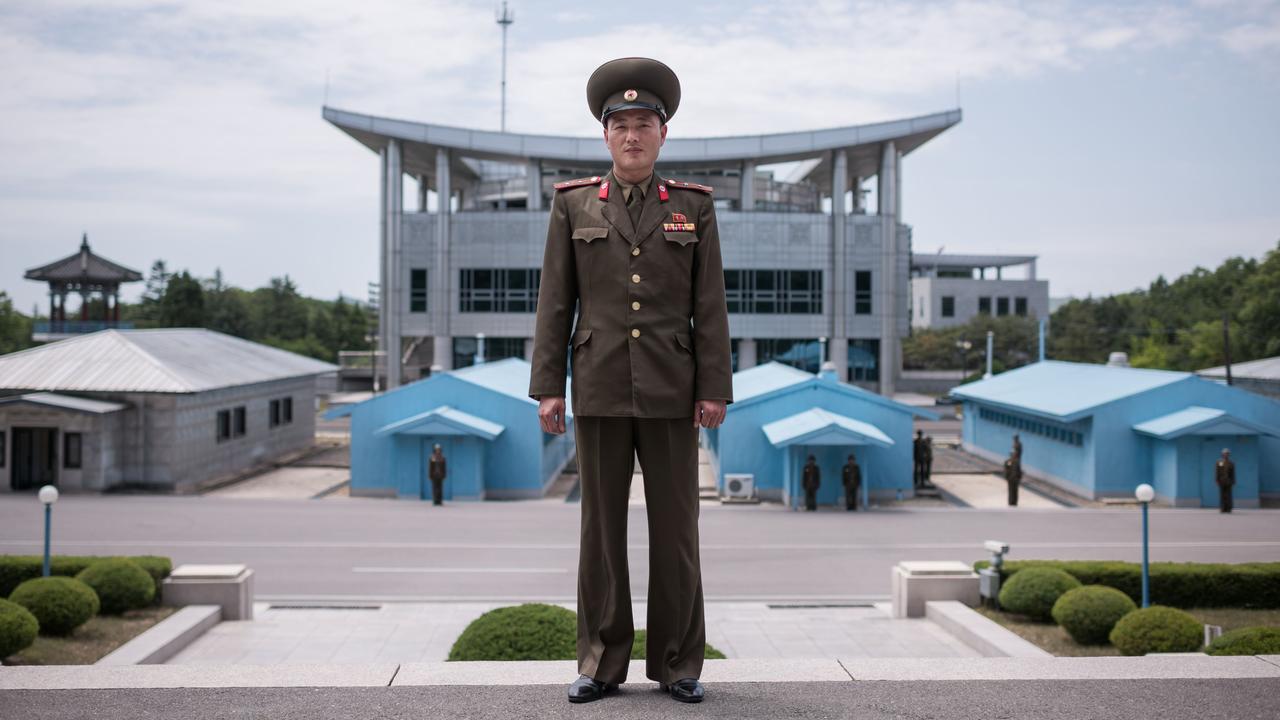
63,329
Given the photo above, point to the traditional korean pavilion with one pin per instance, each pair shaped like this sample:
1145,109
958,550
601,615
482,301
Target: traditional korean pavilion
85,274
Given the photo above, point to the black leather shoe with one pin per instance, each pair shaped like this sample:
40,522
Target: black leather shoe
685,690
586,689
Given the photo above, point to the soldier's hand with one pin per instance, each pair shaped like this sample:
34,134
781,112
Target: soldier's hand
708,413
551,414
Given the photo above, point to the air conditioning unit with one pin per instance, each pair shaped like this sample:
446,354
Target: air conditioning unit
740,487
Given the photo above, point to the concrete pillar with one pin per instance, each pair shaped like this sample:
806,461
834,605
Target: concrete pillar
856,187
887,192
84,306
746,353
747,193
53,309
115,306
1031,269
391,287
839,339
423,188
442,351
534,173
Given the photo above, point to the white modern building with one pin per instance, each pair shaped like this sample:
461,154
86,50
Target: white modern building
811,274
949,290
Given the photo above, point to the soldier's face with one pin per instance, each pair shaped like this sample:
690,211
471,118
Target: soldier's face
633,138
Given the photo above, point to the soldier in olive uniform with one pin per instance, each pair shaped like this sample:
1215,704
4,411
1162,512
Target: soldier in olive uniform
638,257
1017,446
927,469
437,471
1013,477
811,479
917,459
1224,473
851,476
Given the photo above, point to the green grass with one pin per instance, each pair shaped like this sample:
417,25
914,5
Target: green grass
91,641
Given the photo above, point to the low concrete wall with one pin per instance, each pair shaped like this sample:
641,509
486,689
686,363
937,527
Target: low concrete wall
166,638
978,632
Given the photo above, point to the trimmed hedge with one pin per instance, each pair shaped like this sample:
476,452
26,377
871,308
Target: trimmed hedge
533,631
1034,591
16,569
1247,641
18,628
1157,629
709,652
1089,613
1182,585
121,584
60,604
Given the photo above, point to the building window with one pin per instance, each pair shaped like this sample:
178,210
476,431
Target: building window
774,292
418,290
273,414
864,360
465,349
948,306
286,410
802,353
1035,427
1002,306
71,447
984,306
1020,306
224,425
499,290
862,292
238,422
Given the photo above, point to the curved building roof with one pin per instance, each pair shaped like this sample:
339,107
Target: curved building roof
421,140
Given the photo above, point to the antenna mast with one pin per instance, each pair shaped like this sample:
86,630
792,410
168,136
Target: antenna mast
504,19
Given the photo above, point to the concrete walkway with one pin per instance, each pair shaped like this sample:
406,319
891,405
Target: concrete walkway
989,492
422,632
286,483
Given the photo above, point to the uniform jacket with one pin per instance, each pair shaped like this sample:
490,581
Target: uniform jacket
1224,473
436,469
851,475
652,330
812,477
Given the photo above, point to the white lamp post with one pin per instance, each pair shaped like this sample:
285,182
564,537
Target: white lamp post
1145,494
48,496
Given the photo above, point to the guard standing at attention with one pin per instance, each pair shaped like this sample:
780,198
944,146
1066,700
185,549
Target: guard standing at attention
917,460
927,470
851,476
1013,477
811,480
1224,473
635,257
437,471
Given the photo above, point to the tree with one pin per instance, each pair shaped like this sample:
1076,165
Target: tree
183,302
15,328
157,283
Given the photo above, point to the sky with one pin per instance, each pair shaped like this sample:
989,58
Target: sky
1116,141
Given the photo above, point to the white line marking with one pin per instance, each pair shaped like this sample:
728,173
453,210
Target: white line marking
455,570
756,547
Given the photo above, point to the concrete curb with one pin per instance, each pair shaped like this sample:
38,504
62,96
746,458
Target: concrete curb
71,677
978,632
166,638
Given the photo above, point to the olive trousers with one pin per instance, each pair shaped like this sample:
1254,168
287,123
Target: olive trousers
668,453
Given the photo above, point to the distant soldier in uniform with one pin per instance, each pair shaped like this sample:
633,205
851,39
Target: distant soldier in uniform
917,459
811,480
1013,477
851,476
927,469
636,258
436,471
1224,473
1017,446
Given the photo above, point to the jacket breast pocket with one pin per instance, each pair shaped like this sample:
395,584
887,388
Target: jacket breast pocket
588,234
681,238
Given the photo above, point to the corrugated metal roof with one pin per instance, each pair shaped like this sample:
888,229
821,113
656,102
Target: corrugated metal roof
509,376
176,360
66,402
1065,390
823,427
766,378
1264,369
1201,421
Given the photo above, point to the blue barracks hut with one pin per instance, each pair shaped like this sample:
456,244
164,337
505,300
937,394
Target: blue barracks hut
780,415
1100,431
485,423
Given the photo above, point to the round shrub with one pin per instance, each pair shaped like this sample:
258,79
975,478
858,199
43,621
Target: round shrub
1247,641
121,584
533,631
1157,629
60,604
1033,591
1088,613
18,628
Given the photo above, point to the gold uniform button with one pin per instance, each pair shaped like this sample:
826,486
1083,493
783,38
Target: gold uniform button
635,251
635,333
635,306
635,278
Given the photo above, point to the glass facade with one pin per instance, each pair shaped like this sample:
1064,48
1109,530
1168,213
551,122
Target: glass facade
803,353
864,360
774,292
495,348
862,292
418,290
498,290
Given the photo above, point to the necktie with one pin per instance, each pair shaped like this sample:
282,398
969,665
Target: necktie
633,207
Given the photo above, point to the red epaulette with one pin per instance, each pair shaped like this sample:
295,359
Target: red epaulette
593,180
689,186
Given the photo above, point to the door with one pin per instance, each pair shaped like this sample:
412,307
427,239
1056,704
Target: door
1211,447
34,458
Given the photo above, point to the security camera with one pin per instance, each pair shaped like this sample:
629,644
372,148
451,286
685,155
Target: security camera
996,546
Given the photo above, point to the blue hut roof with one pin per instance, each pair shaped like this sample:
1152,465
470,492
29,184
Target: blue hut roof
443,420
1199,420
1064,390
816,426
759,383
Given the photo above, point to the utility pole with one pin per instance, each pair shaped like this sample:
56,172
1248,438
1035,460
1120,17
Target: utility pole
1226,343
504,19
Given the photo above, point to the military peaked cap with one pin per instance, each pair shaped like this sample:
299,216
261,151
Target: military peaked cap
633,83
